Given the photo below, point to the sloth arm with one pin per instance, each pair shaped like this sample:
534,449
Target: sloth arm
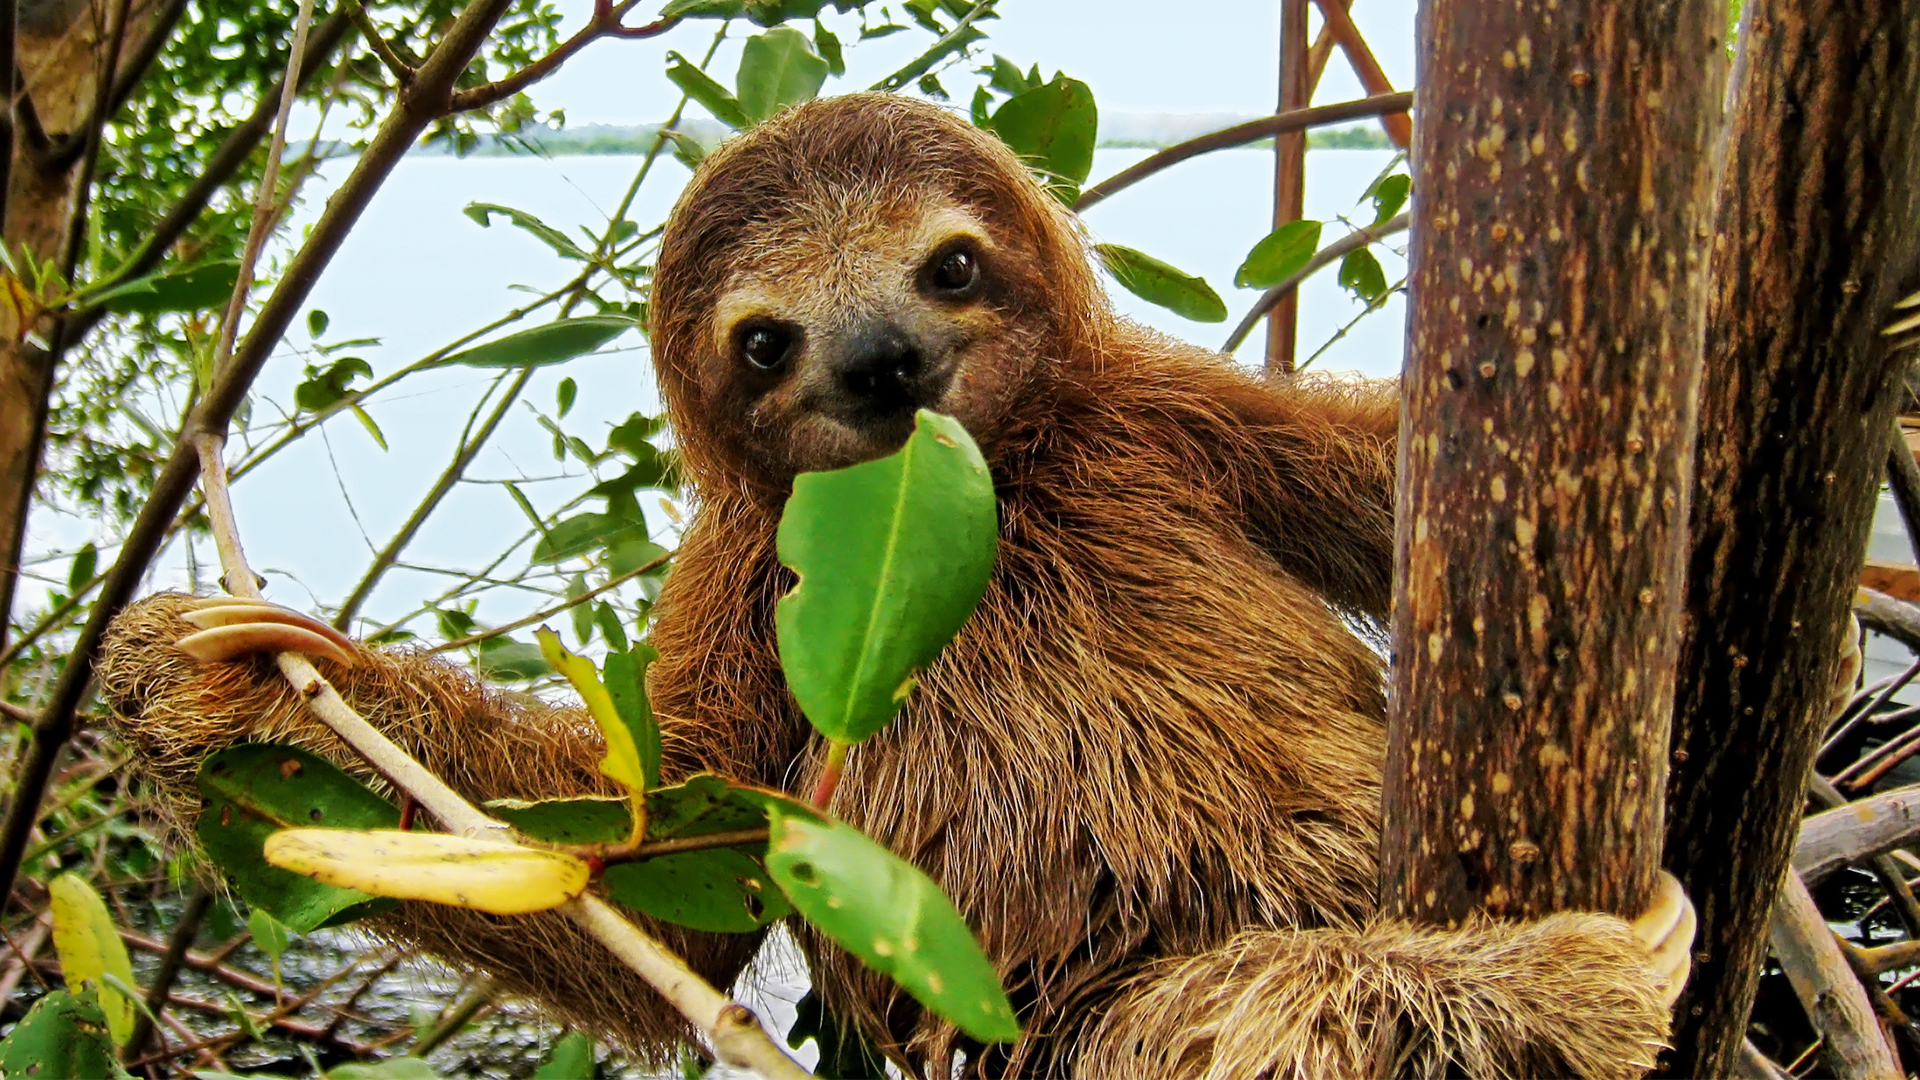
1310,464
1572,994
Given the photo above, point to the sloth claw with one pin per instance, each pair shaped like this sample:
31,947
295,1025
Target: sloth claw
1907,322
233,627
1666,931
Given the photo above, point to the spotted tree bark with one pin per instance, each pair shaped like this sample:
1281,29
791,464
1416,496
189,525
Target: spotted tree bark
1818,233
1564,183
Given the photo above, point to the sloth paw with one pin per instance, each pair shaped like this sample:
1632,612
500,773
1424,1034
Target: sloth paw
1849,671
231,628
1665,930
1909,320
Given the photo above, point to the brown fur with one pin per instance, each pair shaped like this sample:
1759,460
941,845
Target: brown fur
1147,770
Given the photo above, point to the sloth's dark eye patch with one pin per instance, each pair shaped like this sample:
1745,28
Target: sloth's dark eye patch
764,343
953,273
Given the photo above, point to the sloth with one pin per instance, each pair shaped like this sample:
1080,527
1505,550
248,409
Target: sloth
1147,771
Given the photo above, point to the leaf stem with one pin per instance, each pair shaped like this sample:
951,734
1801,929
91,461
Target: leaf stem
830,779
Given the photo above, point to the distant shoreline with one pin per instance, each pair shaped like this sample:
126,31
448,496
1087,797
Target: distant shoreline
1120,132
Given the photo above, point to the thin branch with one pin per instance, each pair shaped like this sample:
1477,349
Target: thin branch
201,962
1242,134
159,32
469,449
1339,249
1893,878
1373,80
199,902
1855,831
401,70
8,21
90,151
1836,1003
604,23
540,616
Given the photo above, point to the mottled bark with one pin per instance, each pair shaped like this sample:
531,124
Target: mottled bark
1289,172
1563,174
1816,237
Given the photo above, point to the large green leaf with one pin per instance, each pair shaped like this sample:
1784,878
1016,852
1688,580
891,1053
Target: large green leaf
256,789
892,556
557,341
1279,255
572,1059
1053,127
625,675
700,86
722,890
1360,274
893,917
582,533
704,804
1159,283
777,69
63,1035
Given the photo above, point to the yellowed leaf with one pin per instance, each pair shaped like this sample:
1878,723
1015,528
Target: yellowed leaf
486,875
89,946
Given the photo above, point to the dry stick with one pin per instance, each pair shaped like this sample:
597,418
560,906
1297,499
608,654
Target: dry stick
1856,831
539,616
1892,877
203,962
605,21
1755,1065
1836,1003
483,993
735,1033
1336,21
175,477
199,901
1888,615
1240,135
1339,249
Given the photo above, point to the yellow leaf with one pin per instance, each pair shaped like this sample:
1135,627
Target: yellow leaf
622,763
486,875
90,947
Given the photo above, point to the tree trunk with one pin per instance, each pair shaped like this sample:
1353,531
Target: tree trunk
1564,184
1816,237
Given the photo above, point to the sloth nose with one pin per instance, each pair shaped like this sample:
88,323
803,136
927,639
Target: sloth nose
880,365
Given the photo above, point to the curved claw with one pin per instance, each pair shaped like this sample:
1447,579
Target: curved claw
232,627
1848,672
1907,323
1666,931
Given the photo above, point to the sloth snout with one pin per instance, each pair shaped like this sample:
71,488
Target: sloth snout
883,370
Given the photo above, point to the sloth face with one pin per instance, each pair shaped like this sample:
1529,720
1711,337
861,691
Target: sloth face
839,321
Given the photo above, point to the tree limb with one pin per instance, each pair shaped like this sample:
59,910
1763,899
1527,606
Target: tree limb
604,23
1836,1003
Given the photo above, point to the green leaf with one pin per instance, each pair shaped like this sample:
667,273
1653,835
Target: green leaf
625,674
954,42
1361,275
892,556
608,620
1389,195
1159,283
893,917
91,950
326,388
777,69
366,421
581,613
572,1059
562,339
721,890
271,936
1008,78
1053,128
828,46
64,1035
316,322
686,149
844,1053
704,9
699,86
1279,255
256,789
622,762
626,556
547,234
393,1068
565,394
503,659
577,535
568,821
84,562
194,288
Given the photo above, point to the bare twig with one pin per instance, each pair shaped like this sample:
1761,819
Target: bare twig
1893,877
1888,615
540,616
604,23
401,70
1856,831
1339,249
1836,1003
210,964
199,901
1372,79
1240,135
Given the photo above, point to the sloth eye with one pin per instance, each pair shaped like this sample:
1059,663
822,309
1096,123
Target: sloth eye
765,345
954,272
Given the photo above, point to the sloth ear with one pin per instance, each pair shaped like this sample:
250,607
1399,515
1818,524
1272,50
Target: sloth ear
232,628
